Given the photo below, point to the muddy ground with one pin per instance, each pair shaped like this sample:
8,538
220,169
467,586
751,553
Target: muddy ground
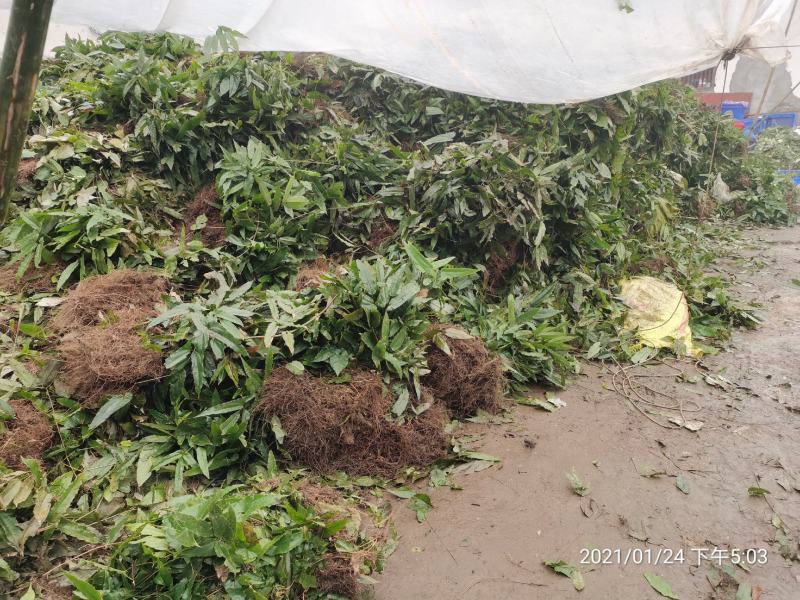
489,541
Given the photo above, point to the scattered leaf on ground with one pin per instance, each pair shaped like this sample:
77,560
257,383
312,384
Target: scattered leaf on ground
648,471
687,424
660,585
538,403
111,406
744,592
568,570
714,577
421,504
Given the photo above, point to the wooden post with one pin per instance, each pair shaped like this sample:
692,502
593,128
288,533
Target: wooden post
19,74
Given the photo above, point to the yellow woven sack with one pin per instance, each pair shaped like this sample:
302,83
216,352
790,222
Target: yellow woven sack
658,314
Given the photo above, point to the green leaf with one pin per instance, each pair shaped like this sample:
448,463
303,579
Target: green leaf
757,491
744,592
86,589
457,334
447,273
537,403
277,429
198,370
643,355
478,456
168,315
660,585
295,202
223,524
594,350
29,595
65,498
404,493
570,571
178,358
67,273
419,260
221,409
288,339
682,484
111,406
286,543
399,406
33,330
442,138
202,461
144,466
79,531
421,504
338,360
295,367
6,572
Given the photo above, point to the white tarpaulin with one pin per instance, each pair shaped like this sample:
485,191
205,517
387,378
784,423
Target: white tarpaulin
544,51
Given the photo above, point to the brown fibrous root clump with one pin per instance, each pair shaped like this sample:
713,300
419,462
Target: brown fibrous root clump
310,274
103,351
91,301
381,232
344,427
26,170
34,279
467,380
213,234
28,435
339,574
499,265
109,359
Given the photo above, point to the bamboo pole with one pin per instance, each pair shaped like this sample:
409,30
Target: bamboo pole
772,69
19,74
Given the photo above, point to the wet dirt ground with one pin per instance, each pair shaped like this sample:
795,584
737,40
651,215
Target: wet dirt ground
489,540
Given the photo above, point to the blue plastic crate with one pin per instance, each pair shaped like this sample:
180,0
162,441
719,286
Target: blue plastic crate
737,109
781,119
754,126
793,173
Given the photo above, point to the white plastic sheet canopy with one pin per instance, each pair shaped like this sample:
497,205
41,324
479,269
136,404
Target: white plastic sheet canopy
543,51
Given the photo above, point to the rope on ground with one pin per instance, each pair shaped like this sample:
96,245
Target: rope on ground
625,381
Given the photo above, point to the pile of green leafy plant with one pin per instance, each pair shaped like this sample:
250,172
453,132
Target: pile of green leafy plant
781,144
515,223
762,194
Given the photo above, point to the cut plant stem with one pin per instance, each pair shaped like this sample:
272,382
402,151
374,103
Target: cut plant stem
19,74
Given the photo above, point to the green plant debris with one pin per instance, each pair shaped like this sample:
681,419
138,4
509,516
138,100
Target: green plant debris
744,592
660,585
788,547
781,144
325,219
577,484
570,571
